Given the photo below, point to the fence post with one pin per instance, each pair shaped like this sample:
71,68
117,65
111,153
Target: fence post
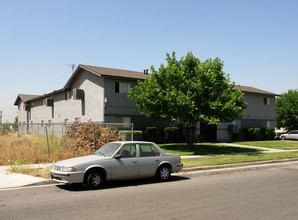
131,131
94,137
46,129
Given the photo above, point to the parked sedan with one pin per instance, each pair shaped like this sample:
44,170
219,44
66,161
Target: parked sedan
291,135
117,161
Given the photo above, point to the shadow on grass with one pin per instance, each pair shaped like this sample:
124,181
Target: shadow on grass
120,184
206,149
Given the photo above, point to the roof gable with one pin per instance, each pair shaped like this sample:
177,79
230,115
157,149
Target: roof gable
24,98
252,90
104,71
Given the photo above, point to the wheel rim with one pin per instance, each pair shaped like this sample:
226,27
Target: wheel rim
96,180
164,173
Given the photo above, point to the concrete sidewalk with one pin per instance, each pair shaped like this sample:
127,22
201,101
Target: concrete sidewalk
11,180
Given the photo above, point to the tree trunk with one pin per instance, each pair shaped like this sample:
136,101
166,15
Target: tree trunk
190,131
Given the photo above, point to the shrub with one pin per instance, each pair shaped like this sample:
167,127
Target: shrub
267,133
150,134
83,133
252,134
5,128
126,135
171,134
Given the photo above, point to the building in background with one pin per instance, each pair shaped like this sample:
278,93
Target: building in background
100,94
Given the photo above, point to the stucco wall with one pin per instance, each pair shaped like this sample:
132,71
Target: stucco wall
90,108
118,103
257,114
22,114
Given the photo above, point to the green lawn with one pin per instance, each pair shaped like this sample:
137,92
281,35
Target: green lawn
217,160
203,149
277,144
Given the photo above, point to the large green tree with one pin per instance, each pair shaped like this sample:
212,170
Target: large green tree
287,110
188,91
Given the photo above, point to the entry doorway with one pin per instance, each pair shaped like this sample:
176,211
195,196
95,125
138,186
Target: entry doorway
208,133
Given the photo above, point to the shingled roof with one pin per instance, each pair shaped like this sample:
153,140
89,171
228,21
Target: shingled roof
24,98
252,90
114,72
119,73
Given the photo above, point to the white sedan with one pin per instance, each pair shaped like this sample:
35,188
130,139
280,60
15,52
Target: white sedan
291,135
117,161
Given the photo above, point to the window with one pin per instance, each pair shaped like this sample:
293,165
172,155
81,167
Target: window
268,124
148,150
122,119
122,87
266,101
128,150
53,112
66,96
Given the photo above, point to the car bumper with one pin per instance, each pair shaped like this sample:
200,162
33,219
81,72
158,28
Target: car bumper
177,167
67,177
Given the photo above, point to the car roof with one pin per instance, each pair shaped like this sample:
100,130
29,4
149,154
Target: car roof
133,142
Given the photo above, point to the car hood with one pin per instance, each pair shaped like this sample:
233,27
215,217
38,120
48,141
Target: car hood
80,160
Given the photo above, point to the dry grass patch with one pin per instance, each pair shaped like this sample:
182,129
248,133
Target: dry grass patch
36,172
32,149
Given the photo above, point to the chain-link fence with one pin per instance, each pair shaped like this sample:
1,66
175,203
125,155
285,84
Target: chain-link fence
58,129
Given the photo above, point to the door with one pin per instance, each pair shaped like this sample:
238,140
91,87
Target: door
208,133
125,166
149,160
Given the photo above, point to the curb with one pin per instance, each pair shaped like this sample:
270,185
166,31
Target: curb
234,165
44,182
214,168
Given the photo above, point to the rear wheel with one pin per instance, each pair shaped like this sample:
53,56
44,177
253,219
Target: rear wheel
95,180
163,173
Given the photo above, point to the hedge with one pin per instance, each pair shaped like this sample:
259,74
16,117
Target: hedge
171,134
151,134
126,135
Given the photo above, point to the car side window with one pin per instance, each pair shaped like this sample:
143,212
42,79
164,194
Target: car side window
148,150
128,150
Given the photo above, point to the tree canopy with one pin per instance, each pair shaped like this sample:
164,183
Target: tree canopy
187,91
287,110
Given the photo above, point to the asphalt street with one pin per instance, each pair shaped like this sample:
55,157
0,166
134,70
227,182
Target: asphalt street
269,192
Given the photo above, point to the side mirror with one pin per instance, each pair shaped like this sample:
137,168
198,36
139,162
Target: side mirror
118,156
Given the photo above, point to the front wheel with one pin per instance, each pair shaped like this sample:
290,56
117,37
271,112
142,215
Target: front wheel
163,173
283,138
94,180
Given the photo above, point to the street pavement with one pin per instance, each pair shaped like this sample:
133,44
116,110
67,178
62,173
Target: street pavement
251,194
11,180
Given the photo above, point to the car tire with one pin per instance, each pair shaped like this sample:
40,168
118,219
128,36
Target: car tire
283,138
163,173
95,180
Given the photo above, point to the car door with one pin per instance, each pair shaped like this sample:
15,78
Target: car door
125,165
149,160
293,135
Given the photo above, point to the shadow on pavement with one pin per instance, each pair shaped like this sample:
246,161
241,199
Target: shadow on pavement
119,184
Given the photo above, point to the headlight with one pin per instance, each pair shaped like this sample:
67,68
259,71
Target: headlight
64,169
68,169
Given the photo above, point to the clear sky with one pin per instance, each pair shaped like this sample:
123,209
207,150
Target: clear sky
39,40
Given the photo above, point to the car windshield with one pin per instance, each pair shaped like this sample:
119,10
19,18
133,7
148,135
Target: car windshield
108,149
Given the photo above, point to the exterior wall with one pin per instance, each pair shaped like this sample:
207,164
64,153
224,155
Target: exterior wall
118,103
257,114
91,107
22,114
223,134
